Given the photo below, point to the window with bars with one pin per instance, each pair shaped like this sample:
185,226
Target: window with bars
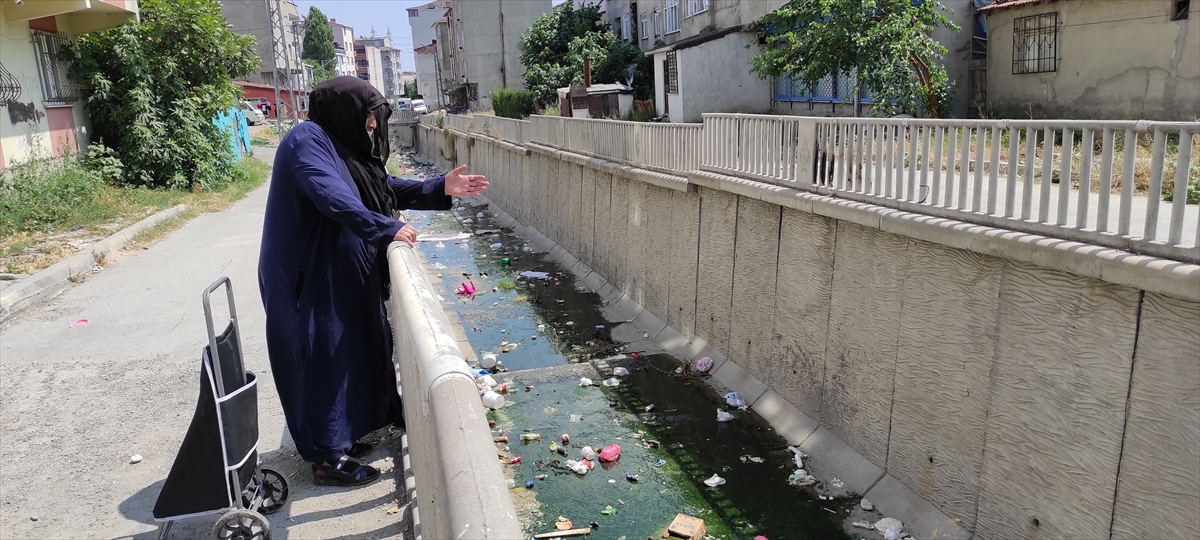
695,6
672,73
670,16
59,83
838,88
1035,43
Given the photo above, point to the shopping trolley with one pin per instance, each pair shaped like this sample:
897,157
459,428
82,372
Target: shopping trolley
217,469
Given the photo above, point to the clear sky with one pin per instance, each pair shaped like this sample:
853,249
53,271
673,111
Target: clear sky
381,14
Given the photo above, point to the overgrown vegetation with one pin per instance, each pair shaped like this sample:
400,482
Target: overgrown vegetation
410,90
511,103
318,45
155,88
889,44
553,50
45,200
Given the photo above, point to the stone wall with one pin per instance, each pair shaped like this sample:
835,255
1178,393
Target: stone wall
1023,401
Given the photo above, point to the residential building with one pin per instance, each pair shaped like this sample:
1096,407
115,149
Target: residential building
369,65
1120,59
479,48
421,19
45,115
343,45
253,17
427,74
391,85
703,50
408,77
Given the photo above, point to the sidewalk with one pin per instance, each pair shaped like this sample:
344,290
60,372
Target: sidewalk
76,403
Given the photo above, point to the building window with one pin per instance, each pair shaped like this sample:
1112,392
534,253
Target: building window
695,6
672,75
670,16
625,23
1179,9
657,22
59,83
1035,44
616,28
645,27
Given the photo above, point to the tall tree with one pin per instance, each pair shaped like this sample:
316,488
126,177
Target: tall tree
546,48
410,90
318,45
887,43
555,46
156,87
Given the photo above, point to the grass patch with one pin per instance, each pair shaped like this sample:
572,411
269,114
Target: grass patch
260,141
51,209
506,284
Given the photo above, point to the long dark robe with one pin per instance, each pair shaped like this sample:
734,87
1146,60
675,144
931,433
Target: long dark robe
321,280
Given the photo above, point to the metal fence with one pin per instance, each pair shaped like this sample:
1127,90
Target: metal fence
1096,181
459,122
673,148
1121,184
505,129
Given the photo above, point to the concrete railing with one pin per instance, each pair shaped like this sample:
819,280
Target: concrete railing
459,122
460,490
428,120
987,172
657,146
505,129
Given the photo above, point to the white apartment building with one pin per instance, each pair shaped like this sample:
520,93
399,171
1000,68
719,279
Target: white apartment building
343,43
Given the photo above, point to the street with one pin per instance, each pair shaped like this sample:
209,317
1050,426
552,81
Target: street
79,399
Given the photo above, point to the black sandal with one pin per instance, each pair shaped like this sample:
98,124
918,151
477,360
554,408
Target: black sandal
359,450
345,472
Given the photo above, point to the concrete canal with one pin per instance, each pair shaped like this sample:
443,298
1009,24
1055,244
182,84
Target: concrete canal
550,332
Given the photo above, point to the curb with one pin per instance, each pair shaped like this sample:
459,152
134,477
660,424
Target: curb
54,279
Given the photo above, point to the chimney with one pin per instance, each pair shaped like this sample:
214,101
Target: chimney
587,72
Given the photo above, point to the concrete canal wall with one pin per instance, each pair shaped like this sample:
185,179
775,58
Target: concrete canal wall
1027,387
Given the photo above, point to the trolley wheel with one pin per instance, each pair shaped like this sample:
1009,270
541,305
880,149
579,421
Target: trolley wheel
274,490
242,525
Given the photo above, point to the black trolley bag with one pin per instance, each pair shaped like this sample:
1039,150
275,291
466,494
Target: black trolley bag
217,468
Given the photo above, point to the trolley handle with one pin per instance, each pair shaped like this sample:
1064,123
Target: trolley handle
212,331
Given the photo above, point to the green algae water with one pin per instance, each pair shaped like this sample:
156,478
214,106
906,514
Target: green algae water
664,423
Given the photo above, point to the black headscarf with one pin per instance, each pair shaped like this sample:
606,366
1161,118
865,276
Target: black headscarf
340,106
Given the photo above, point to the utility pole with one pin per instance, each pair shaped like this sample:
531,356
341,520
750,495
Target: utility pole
298,27
279,46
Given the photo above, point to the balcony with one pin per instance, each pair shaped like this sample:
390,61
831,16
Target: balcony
82,16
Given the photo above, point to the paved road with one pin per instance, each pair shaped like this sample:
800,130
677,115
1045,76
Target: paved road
76,403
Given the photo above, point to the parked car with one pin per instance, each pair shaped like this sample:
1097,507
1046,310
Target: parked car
253,115
418,105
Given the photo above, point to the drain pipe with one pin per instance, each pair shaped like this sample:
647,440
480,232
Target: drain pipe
459,486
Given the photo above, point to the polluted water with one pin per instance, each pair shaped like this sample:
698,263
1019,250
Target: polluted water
628,418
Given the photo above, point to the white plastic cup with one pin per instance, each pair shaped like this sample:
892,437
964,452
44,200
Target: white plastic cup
587,453
489,381
492,400
488,360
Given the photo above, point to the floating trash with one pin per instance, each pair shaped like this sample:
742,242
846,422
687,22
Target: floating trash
620,372
534,275
584,381
723,416
704,364
611,383
734,400
714,481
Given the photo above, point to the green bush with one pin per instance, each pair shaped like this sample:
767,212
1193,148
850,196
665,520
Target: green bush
511,103
155,88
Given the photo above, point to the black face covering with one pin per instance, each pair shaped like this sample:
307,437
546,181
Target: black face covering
340,106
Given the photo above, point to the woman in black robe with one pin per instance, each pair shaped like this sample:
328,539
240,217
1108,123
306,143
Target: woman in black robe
323,275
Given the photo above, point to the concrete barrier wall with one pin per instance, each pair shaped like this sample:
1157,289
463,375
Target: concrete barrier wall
1001,378
460,490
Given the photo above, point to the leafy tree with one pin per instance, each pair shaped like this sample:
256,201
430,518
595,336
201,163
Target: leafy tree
888,43
410,90
318,45
556,44
156,87
546,45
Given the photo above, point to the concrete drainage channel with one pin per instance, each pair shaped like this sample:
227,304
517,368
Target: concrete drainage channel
551,332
